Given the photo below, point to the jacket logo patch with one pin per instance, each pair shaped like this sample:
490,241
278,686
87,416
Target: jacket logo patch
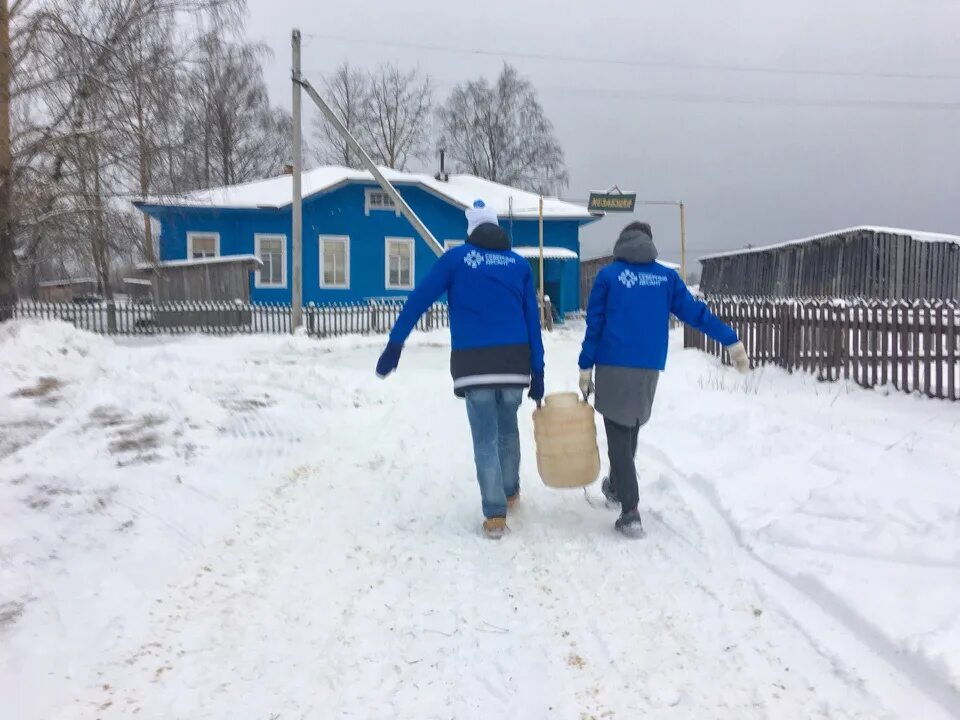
473,259
629,279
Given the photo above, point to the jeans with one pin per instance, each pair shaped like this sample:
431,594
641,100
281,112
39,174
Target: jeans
496,445
622,449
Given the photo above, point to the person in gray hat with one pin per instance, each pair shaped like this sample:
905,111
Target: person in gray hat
628,323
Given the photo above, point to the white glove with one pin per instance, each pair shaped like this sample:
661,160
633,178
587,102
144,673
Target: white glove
738,356
586,383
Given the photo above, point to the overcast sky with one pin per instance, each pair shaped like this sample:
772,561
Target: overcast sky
695,103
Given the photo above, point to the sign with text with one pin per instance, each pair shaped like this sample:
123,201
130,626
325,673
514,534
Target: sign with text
612,202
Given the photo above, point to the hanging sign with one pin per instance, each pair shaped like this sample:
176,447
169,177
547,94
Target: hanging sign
612,202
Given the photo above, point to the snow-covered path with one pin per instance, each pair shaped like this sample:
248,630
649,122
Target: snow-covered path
345,577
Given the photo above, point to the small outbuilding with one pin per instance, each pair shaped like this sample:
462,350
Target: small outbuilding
225,278
66,290
867,261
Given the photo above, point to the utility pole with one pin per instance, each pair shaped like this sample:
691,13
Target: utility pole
296,284
368,163
8,286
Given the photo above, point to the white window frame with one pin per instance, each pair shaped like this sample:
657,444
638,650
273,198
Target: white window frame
345,241
257,282
409,241
199,233
450,244
367,208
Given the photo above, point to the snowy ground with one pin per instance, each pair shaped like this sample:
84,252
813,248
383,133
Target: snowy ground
258,528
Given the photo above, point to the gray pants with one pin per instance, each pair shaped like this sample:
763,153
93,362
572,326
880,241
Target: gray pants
622,450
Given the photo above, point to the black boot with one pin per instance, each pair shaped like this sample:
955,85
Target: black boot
606,487
629,524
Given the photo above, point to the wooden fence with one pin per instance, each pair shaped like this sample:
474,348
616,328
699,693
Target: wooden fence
228,318
912,345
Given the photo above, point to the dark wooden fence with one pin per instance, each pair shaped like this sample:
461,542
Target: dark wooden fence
912,345
228,318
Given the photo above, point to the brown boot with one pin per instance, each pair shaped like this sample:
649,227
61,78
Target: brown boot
513,500
494,528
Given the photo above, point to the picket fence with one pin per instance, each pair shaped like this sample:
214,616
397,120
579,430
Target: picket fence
227,318
912,345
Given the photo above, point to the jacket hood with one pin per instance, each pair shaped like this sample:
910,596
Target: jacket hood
635,246
489,237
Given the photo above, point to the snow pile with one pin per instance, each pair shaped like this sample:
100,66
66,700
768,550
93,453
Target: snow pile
30,349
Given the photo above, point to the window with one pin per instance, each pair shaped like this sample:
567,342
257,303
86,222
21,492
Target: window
450,244
335,261
203,245
377,199
272,251
399,263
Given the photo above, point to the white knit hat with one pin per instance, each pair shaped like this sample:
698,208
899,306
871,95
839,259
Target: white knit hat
479,214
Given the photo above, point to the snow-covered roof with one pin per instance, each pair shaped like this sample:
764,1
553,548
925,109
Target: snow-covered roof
461,190
221,259
549,253
66,281
918,235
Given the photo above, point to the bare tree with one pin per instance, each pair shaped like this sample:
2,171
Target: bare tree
241,136
348,92
397,124
87,93
501,133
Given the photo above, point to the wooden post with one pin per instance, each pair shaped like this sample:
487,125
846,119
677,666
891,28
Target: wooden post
543,305
683,243
927,350
296,282
952,360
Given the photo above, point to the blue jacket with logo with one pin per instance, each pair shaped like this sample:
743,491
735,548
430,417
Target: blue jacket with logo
494,317
628,316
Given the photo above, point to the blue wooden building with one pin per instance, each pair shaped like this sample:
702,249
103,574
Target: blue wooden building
356,244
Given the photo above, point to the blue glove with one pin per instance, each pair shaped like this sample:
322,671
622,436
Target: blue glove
536,388
389,360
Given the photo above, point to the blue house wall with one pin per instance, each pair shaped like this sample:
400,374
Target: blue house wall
341,211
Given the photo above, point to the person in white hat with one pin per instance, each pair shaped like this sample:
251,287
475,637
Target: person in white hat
497,349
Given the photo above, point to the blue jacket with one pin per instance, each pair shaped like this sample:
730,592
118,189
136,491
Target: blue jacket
628,316
494,317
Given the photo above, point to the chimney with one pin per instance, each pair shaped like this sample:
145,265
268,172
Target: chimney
442,176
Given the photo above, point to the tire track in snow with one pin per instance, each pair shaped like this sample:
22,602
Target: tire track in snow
876,657
655,630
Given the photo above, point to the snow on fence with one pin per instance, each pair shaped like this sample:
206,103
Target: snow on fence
228,318
912,345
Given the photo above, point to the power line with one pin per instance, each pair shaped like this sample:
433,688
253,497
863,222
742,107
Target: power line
770,101
649,64
764,100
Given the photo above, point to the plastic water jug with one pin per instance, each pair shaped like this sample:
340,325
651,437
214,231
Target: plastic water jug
566,437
